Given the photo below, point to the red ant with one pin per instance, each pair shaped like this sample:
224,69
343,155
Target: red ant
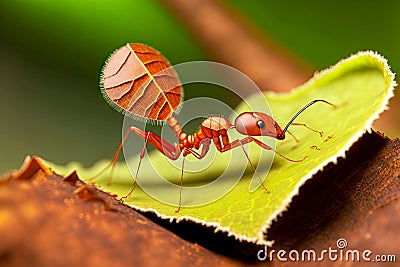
138,80
213,129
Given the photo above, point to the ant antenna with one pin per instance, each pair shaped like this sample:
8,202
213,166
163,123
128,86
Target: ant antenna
301,110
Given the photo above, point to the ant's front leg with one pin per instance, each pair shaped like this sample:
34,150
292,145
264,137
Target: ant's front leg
241,143
249,139
304,125
235,143
265,146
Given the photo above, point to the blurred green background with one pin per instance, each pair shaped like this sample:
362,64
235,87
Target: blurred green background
51,54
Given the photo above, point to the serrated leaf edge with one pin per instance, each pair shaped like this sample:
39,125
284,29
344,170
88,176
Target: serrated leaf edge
262,234
342,153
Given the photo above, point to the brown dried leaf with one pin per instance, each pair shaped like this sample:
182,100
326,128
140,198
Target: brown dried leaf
139,81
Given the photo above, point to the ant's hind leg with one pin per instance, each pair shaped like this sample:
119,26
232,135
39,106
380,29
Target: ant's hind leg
114,159
171,151
164,147
138,167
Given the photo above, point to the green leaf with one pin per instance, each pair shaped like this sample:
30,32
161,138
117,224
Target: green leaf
359,86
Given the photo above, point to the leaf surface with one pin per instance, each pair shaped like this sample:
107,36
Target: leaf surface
359,86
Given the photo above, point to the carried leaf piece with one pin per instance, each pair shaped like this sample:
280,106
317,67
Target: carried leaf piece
139,81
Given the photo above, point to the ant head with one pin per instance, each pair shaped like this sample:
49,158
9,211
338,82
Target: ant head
258,124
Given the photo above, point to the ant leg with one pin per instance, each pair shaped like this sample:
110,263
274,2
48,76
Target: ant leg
251,164
181,184
292,135
261,144
137,170
114,159
265,146
304,125
241,143
171,151
206,145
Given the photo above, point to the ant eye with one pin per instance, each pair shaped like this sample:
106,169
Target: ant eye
276,127
260,124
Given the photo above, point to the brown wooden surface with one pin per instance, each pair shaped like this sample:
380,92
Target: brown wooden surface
43,222
46,220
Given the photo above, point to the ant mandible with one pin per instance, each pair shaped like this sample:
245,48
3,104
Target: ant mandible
138,60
